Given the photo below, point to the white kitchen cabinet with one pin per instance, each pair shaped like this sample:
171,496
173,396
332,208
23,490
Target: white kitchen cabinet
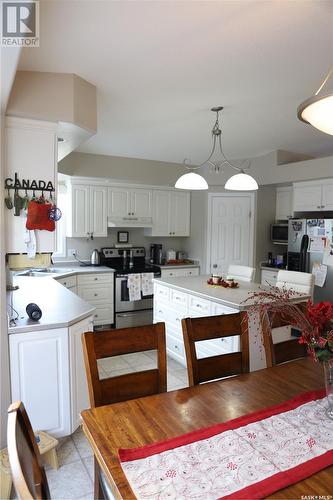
181,271
78,377
269,277
171,214
87,209
313,196
124,202
30,151
98,290
39,364
284,203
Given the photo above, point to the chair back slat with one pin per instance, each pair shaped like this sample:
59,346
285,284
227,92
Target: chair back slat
213,327
27,471
281,352
110,343
128,386
212,367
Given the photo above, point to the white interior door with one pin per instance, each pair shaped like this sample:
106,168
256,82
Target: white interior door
230,232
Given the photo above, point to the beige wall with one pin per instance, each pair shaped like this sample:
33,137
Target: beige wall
122,169
55,97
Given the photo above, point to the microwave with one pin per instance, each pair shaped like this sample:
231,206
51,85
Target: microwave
279,234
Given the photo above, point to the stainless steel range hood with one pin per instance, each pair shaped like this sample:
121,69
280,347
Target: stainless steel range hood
130,221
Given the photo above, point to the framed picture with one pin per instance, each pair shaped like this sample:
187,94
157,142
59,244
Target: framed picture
122,236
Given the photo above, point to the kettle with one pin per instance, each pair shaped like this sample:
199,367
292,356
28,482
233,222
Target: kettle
95,258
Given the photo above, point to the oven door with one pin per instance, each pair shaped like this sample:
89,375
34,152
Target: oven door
122,298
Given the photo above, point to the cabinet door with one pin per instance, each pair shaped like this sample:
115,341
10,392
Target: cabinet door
78,377
80,223
141,202
284,208
307,198
180,214
98,211
327,196
119,202
161,215
39,364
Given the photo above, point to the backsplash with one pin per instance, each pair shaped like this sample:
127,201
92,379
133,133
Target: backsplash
84,247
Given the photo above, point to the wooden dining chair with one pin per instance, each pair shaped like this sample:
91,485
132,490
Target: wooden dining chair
28,474
222,365
111,343
280,352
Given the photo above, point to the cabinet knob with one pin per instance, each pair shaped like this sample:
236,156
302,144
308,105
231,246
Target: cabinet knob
318,206
95,279
214,266
129,213
65,283
323,206
96,294
132,213
96,316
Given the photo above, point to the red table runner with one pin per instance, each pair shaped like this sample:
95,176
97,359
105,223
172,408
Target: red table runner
248,457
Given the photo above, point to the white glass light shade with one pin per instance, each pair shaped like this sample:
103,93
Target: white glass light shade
191,181
318,111
241,182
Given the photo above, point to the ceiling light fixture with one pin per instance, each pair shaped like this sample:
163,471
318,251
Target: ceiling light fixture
318,110
238,182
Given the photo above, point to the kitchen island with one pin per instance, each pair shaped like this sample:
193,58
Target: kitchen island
177,298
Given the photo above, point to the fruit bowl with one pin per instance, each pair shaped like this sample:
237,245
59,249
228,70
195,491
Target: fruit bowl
223,283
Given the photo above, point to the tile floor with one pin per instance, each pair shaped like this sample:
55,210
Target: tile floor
74,478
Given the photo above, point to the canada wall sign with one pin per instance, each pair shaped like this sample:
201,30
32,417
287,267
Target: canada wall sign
27,184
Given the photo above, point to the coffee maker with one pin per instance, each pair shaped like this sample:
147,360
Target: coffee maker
156,254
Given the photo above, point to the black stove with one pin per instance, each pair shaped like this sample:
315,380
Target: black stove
127,261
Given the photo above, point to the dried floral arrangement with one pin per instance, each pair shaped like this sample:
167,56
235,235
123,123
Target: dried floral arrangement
315,321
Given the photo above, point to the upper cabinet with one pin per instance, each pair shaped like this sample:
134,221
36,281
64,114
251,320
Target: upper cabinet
128,202
284,203
87,211
171,211
313,196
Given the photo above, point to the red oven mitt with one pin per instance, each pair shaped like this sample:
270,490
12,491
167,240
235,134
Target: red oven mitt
38,216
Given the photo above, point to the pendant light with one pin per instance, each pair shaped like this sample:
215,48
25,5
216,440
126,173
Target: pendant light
238,182
318,109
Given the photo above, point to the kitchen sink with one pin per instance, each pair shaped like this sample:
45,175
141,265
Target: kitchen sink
41,272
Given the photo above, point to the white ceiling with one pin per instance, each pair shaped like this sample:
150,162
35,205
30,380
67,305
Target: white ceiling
159,66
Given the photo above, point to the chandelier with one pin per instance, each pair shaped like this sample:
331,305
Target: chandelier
318,109
237,182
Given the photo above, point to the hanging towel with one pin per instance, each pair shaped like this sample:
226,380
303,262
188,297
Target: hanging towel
30,241
147,286
134,287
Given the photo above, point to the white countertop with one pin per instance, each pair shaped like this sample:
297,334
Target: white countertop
63,270
231,297
60,307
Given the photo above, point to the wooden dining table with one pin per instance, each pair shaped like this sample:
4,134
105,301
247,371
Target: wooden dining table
155,418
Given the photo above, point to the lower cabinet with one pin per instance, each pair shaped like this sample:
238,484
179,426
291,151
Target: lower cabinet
98,290
48,375
171,306
78,378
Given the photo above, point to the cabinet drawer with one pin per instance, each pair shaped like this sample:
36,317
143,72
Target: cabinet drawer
175,345
194,271
179,298
89,279
161,292
103,315
219,309
171,273
170,315
96,293
199,306
68,282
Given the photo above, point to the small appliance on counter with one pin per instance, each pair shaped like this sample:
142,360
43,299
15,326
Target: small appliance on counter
171,254
156,254
95,259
